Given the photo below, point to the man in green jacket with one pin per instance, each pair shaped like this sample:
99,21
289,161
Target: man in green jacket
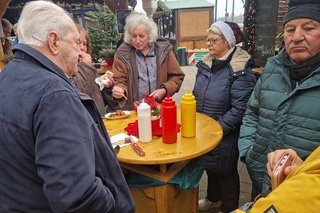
283,110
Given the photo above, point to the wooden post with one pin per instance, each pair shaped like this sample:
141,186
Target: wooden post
265,31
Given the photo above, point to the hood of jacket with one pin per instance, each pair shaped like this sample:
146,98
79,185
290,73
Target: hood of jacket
238,62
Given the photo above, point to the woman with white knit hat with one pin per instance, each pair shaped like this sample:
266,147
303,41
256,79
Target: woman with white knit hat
223,86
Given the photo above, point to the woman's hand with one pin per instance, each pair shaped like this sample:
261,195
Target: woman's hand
107,79
274,158
118,92
85,57
158,94
104,81
7,46
110,82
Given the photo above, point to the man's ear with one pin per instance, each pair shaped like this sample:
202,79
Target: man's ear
53,42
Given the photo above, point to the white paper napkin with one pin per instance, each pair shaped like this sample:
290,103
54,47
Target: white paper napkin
119,140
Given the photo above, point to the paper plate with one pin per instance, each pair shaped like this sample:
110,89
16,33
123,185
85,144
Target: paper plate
114,115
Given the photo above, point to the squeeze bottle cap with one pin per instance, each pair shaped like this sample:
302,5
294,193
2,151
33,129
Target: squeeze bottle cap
188,96
168,101
143,106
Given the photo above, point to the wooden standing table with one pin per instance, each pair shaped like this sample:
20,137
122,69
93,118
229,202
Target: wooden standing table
170,158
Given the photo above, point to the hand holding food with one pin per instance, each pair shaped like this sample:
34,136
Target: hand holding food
108,74
105,80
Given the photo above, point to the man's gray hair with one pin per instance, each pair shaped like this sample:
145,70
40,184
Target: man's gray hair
135,19
38,18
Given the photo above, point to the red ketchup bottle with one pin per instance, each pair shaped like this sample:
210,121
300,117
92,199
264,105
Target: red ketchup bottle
169,120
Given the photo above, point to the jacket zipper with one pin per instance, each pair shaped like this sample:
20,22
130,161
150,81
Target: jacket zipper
149,84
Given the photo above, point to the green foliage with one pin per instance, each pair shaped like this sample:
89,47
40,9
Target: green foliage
104,34
164,8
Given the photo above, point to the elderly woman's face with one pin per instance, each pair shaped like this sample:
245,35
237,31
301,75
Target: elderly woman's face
140,38
83,43
301,37
217,45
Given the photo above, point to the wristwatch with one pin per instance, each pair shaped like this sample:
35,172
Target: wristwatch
163,86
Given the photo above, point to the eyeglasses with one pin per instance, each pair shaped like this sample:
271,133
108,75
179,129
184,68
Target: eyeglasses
212,41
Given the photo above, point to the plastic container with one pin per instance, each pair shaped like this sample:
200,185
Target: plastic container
188,115
182,56
144,122
169,120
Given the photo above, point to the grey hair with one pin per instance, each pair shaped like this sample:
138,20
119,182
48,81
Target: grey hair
38,18
15,26
216,30
135,19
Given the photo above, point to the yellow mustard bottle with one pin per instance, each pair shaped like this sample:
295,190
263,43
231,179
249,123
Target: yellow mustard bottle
188,115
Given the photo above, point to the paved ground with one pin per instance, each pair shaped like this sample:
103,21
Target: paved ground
245,183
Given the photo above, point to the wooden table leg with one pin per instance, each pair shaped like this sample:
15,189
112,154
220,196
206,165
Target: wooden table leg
161,199
163,168
165,199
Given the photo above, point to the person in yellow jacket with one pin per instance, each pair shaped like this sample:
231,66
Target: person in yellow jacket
300,190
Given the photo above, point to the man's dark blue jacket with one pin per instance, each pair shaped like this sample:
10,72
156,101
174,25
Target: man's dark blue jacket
55,154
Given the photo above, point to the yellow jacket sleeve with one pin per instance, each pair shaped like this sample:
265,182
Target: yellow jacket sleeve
298,193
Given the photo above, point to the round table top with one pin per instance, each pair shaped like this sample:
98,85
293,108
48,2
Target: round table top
208,136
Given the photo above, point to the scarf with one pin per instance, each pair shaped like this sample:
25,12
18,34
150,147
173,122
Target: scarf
298,71
218,64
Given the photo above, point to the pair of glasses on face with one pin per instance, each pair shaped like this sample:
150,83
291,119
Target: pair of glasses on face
212,41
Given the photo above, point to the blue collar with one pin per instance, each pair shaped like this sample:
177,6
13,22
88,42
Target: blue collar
23,51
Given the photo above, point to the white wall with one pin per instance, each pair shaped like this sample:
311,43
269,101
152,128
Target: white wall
139,8
221,6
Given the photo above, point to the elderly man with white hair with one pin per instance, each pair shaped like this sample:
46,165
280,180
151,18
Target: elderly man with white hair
55,154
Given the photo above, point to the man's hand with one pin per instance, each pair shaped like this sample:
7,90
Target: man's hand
274,158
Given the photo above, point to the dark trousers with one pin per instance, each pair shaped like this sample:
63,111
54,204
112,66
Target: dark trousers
224,188
255,191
